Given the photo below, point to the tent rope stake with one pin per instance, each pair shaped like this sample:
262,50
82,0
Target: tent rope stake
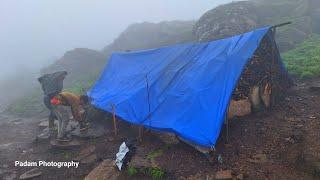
115,129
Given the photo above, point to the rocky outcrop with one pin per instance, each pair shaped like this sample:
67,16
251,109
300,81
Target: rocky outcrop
227,20
105,171
81,64
238,17
152,35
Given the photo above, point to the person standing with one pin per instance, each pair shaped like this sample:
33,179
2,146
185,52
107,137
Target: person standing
51,84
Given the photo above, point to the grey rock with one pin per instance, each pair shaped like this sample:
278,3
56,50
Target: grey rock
89,159
11,176
104,171
258,158
31,174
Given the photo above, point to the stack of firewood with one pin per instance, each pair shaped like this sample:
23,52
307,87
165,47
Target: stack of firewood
263,68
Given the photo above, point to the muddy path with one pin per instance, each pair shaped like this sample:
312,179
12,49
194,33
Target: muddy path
279,144
16,137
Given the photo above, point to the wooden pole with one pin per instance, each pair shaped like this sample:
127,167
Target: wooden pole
282,24
140,133
141,129
272,76
227,123
149,107
114,120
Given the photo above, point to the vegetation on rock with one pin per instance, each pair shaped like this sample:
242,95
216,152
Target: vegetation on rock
304,60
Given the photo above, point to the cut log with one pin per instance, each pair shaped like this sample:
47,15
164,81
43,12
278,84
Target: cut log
239,108
266,95
255,97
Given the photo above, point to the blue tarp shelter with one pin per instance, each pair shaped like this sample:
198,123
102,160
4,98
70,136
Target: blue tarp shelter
184,89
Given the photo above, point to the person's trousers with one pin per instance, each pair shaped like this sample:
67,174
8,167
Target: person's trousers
62,115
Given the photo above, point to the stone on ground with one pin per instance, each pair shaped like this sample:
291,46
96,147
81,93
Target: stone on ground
312,162
104,171
44,124
31,174
44,135
70,144
167,138
258,158
197,177
315,87
240,177
85,152
140,162
96,129
226,174
10,176
89,159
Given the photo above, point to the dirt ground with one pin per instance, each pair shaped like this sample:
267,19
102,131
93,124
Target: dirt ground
280,144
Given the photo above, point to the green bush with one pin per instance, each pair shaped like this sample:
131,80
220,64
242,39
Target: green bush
132,171
154,172
155,154
304,60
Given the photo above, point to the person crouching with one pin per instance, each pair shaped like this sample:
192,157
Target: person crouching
63,102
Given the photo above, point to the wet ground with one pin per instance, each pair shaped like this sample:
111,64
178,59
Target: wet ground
280,144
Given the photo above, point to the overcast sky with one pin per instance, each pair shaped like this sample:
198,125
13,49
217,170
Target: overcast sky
33,32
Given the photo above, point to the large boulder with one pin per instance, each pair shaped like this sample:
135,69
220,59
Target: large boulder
227,20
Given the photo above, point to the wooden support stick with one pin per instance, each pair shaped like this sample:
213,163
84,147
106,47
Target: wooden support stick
114,120
148,93
282,24
227,133
140,133
141,128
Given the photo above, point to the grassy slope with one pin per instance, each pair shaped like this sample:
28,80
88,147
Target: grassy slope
304,60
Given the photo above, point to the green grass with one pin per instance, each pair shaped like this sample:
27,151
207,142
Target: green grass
94,141
154,172
154,154
31,102
304,60
132,171
66,155
80,87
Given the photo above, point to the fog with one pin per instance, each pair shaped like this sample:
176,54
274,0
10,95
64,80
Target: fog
34,33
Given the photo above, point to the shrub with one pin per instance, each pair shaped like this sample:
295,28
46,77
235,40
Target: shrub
132,171
155,154
304,60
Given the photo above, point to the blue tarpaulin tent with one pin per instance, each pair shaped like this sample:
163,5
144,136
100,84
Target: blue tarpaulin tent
184,89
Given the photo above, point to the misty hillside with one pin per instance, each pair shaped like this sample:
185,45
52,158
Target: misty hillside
85,65
81,64
220,22
151,35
